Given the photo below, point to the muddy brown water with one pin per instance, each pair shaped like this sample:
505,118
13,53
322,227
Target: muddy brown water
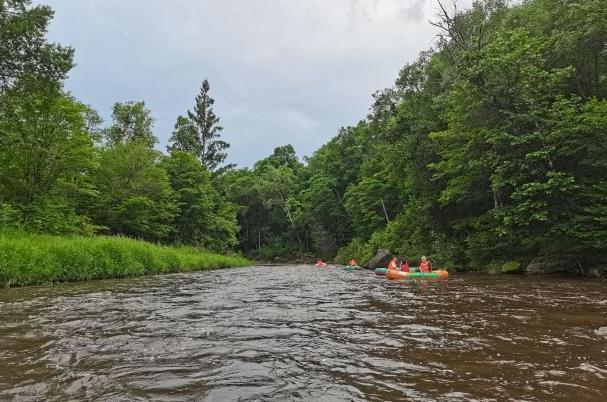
303,333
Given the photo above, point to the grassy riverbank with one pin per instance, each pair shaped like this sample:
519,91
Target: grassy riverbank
28,259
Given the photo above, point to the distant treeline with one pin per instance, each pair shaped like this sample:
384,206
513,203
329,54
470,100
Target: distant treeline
489,148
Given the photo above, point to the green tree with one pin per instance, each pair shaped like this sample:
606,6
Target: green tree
45,146
270,214
330,172
283,156
512,167
24,50
277,185
578,143
240,187
203,217
200,133
495,147
131,121
185,137
135,195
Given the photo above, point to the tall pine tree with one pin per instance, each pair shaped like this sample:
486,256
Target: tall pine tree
200,133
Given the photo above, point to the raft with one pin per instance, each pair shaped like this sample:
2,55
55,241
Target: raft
383,270
438,274
351,267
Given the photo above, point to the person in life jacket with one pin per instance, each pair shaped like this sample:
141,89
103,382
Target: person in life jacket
404,267
320,263
425,265
393,264
352,262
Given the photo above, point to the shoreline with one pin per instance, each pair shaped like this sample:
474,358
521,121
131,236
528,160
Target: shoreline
34,259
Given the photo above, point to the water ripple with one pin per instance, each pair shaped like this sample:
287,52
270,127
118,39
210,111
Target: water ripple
302,333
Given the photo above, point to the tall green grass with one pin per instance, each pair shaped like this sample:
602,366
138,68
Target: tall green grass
28,259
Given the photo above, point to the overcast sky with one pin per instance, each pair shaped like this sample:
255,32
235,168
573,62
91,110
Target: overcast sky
281,71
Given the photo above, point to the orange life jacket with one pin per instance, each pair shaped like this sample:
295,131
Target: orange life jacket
425,266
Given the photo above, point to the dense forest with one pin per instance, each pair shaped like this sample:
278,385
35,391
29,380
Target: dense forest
489,150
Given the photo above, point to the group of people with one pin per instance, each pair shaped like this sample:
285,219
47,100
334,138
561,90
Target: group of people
351,262
424,265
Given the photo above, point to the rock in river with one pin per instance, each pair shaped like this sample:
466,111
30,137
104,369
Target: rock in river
381,259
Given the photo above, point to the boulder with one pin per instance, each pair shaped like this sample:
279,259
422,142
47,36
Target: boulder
547,265
593,266
596,271
381,260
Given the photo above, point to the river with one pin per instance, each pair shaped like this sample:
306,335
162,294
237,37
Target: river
304,333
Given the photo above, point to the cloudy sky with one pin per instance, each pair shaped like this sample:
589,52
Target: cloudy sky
281,71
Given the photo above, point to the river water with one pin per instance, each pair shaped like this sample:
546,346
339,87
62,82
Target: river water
304,333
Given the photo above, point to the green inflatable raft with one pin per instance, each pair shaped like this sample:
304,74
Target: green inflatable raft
425,275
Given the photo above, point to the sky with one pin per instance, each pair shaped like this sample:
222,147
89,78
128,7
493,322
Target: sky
281,71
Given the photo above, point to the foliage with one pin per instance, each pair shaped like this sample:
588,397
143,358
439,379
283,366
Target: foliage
135,196
131,121
269,216
54,216
29,259
360,250
488,148
45,147
58,176
24,51
9,217
283,156
203,218
200,133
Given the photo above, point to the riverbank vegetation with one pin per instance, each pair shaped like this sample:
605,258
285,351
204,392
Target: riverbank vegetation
28,259
489,150
63,172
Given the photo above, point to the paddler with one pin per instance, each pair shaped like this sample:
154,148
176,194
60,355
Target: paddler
425,265
404,267
352,262
393,264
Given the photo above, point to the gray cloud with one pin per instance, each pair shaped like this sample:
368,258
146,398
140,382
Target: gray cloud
413,11
281,71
